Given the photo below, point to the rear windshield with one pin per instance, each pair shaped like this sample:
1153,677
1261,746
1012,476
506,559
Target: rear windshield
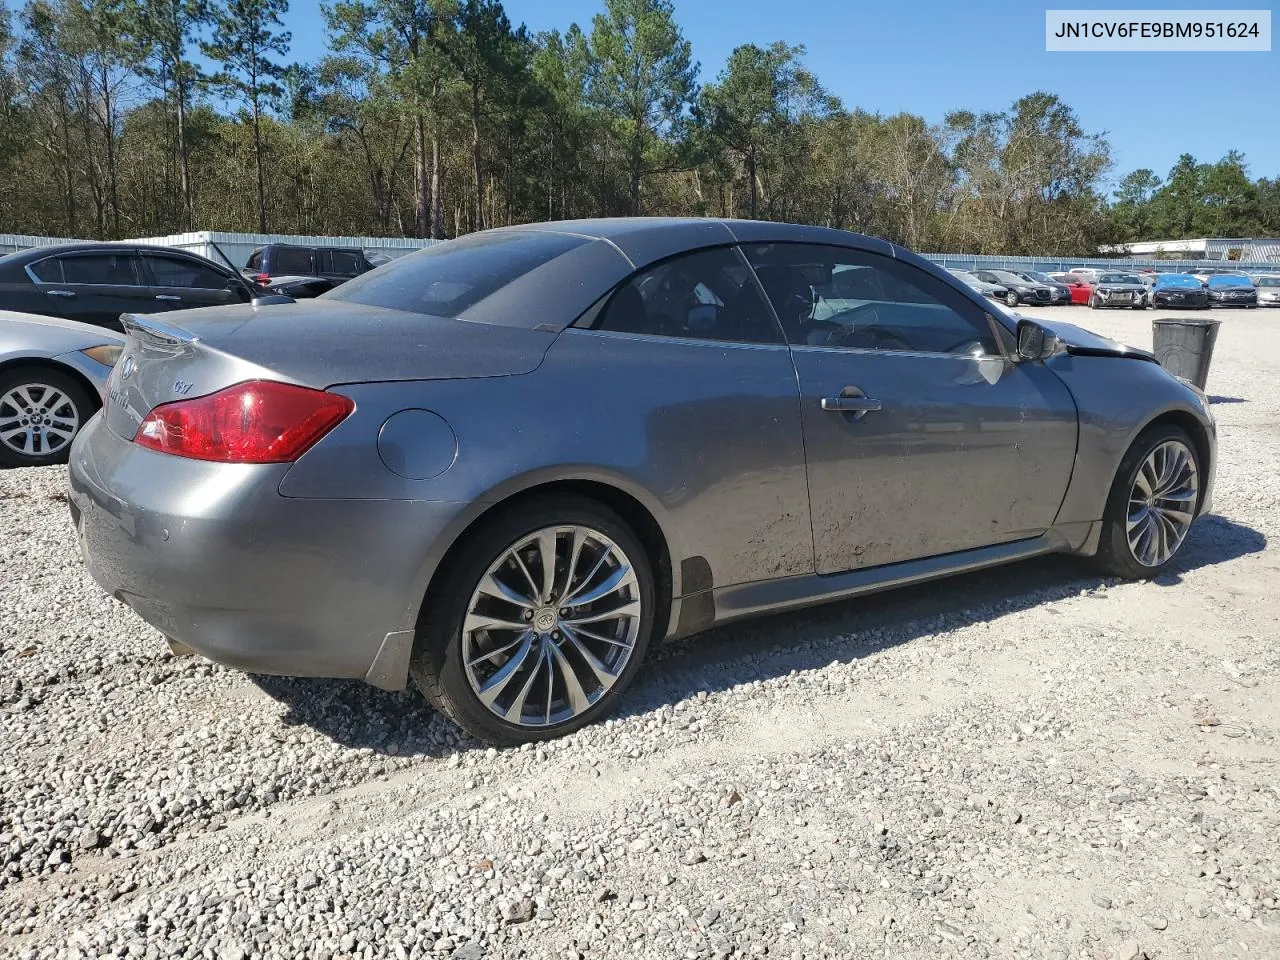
451,277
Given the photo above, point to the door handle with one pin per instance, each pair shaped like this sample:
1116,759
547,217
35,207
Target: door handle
60,293
852,400
168,296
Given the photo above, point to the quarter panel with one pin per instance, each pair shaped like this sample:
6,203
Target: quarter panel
705,435
1117,398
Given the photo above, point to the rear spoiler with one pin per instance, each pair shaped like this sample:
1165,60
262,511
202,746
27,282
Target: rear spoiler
147,329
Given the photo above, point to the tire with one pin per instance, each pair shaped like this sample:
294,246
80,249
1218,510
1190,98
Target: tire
49,442
439,665
1093,303
1115,554
1011,298
1139,306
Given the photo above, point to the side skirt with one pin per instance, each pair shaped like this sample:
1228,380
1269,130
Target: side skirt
772,596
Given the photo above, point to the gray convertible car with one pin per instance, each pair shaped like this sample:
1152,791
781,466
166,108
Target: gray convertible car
504,466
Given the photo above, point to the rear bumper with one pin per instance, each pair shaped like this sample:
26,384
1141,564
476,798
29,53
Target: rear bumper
215,558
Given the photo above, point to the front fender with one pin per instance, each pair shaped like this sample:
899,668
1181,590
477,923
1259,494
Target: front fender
1117,399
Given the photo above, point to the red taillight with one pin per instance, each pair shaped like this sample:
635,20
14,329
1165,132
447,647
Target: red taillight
258,421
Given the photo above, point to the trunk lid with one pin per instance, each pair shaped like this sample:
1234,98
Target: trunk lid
316,343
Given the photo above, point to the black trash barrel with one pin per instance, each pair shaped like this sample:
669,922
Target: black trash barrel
1184,347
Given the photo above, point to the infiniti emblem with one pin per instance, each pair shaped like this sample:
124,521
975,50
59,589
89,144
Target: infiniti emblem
545,620
127,368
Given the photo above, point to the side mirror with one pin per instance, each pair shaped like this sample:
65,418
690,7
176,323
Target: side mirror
1034,341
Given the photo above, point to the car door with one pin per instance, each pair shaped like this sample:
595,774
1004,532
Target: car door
695,399
921,438
96,286
180,282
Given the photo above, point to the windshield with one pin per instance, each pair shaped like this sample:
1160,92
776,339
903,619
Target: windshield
449,278
1119,278
1268,282
1229,280
964,275
1004,276
1038,277
1177,280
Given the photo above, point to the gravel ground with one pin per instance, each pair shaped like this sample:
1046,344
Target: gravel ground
1029,762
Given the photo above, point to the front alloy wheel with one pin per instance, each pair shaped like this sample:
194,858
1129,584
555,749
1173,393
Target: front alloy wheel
1152,505
540,624
1011,298
40,413
1162,503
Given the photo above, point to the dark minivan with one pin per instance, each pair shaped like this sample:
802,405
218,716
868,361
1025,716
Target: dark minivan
333,265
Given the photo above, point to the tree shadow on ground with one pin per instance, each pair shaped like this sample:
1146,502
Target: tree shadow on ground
360,716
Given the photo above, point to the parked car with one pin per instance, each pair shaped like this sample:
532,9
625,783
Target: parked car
1179,290
96,282
1078,285
1061,292
53,373
1232,290
1019,290
1268,287
993,290
1204,273
559,443
1118,290
304,271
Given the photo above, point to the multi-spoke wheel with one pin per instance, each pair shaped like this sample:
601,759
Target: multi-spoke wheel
1153,502
41,411
1162,503
539,624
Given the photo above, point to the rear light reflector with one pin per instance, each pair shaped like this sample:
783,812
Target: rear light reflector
258,421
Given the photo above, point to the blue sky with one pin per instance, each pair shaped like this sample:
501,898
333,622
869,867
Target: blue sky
931,56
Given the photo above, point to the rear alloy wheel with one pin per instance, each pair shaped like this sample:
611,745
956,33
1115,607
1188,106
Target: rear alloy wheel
1152,505
549,613
1011,298
41,411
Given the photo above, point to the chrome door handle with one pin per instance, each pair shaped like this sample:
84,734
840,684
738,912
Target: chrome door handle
168,296
855,405
60,293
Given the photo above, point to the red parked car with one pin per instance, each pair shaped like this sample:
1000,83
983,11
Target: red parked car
1080,286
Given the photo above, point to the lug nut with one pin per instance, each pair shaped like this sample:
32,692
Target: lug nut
528,614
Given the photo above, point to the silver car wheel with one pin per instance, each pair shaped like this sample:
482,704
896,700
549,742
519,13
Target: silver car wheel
37,419
1162,503
552,626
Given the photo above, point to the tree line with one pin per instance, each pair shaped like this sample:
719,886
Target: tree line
434,118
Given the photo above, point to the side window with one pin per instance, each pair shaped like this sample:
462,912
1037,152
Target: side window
181,272
115,269
840,297
345,262
705,295
46,271
291,261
